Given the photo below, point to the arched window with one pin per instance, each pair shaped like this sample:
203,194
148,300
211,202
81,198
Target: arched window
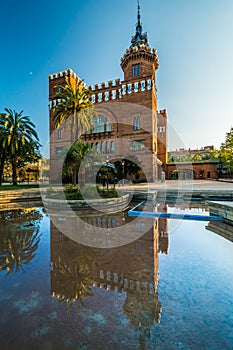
101,124
98,124
92,145
102,147
138,123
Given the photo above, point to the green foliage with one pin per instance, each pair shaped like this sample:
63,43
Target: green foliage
110,193
73,160
19,141
70,188
89,191
132,166
75,102
73,192
194,157
227,150
17,187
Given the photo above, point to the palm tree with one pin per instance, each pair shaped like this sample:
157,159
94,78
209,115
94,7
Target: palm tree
2,156
18,132
18,250
74,157
75,102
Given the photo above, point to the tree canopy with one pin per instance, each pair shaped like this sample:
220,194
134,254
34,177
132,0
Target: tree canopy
73,160
74,103
19,141
227,150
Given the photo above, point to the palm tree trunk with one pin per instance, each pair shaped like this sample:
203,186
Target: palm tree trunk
74,176
2,161
14,172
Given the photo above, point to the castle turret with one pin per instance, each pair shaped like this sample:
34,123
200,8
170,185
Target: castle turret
139,59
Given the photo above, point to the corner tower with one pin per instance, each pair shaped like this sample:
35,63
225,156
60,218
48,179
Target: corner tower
140,61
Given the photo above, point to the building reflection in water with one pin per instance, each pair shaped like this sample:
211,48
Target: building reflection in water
132,269
221,229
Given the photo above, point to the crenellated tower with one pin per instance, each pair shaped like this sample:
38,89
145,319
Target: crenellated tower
139,60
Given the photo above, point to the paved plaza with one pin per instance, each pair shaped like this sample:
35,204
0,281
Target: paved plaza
195,185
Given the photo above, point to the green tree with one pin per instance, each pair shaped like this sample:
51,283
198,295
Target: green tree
20,137
227,150
18,250
19,238
196,157
214,154
132,166
75,102
73,159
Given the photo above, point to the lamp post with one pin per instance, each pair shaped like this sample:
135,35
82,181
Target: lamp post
123,172
107,160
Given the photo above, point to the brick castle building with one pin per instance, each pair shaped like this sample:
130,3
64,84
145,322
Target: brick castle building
128,121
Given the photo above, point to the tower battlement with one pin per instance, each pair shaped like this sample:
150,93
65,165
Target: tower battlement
115,89
64,73
107,91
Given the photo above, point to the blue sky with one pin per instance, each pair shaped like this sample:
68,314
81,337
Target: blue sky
193,39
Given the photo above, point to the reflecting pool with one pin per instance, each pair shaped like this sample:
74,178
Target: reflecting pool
171,288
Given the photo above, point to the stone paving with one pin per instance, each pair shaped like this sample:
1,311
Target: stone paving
199,185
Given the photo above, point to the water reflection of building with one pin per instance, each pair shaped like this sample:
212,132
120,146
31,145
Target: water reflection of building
221,228
132,269
163,230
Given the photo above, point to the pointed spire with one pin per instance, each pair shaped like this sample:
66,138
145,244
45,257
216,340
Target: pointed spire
139,16
139,37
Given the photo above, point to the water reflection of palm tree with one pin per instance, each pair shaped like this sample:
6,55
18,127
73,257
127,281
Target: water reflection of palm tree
18,243
20,216
17,250
73,277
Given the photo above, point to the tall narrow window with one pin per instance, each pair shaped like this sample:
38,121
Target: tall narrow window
108,125
102,147
138,123
59,134
112,147
107,147
97,147
136,69
135,123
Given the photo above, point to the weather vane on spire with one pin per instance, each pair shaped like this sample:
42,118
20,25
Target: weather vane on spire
139,16
139,38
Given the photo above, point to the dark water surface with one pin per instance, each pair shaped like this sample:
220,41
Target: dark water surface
170,289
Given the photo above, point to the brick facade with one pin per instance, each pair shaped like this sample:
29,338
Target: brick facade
129,106
195,170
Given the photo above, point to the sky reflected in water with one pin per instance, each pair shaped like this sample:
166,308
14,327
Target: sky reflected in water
170,289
